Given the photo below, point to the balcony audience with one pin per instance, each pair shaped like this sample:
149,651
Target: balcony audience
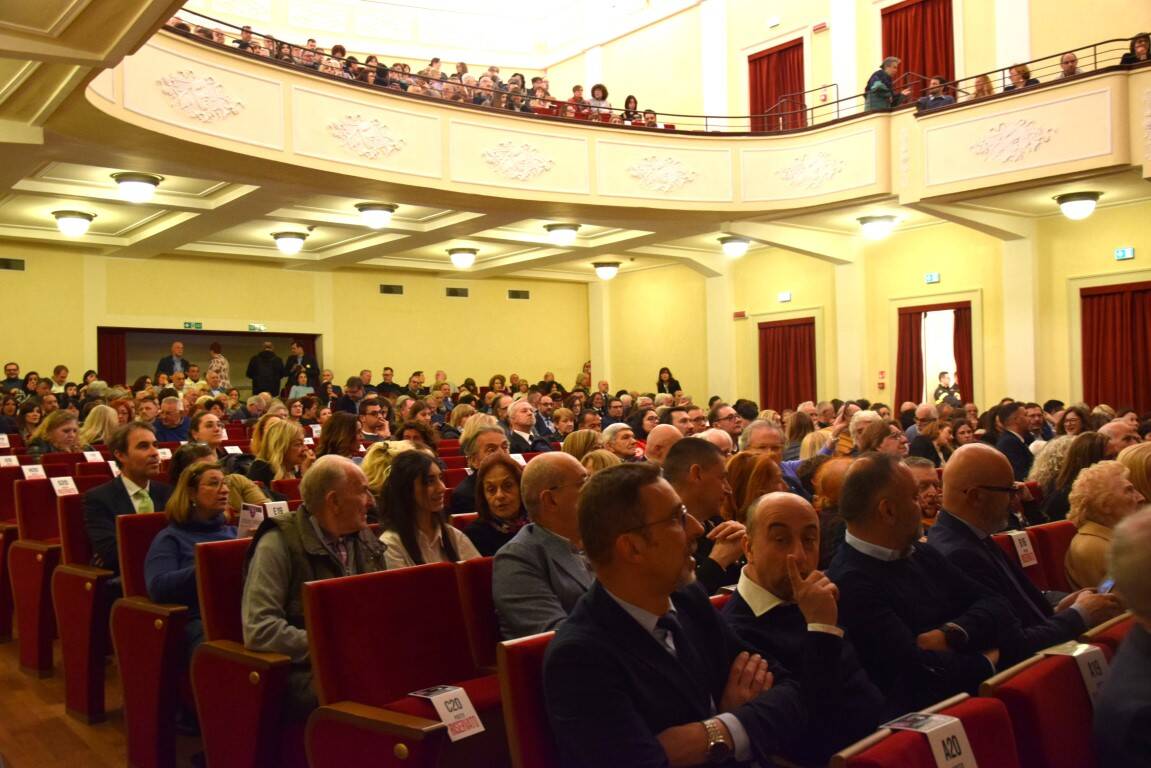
1140,50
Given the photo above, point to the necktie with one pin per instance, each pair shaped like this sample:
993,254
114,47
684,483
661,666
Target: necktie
683,652
1004,565
143,501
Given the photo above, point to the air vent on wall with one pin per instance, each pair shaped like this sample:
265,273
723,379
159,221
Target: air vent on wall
15,264
456,293
392,289
519,295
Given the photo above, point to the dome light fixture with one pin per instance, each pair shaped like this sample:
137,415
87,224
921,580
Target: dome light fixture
876,227
462,258
289,243
734,247
376,215
606,270
1078,205
73,223
562,235
137,187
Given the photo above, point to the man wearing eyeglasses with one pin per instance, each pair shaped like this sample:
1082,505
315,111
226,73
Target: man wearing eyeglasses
723,416
697,420
373,426
538,576
977,493
644,671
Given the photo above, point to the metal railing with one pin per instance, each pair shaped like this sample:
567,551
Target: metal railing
792,112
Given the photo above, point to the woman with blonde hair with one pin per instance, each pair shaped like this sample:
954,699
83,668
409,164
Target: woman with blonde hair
563,419
581,442
813,443
378,461
260,429
282,455
456,420
1102,495
1048,462
102,421
594,461
1137,459
58,433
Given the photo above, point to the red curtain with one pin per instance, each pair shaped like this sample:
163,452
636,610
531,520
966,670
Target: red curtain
919,32
962,349
111,355
786,363
776,80
1116,344
909,359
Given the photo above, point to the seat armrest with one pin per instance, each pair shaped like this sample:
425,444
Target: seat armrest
86,572
235,652
376,720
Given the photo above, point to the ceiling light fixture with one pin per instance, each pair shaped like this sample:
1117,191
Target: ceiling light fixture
462,258
1078,205
734,247
606,270
289,243
876,227
73,223
562,235
376,215
137,187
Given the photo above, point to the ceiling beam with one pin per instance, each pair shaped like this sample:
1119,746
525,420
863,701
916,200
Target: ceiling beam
832,247
998,225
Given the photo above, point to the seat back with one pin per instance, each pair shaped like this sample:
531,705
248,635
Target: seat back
289,489
464,519
1110,633
453,477
720,600
475,584
985,722
8,478
36,510
1036,573
75,544
521,665
1051,542
134,534
61,464
414,615
454,462
94,468
220,583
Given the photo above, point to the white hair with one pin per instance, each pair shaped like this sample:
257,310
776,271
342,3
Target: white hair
860,421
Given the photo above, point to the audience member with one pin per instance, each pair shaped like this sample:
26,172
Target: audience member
481,438
522,437
1014,439
659,441
1140,50
416,528
1069,65
880,93
1085,450
266,370
928,488
283,454
1102,495
762,437
1020,75
174,362
58,433
933,99
499,504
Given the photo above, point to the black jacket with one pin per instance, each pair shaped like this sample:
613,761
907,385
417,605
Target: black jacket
1123,710
293,364
266,371
1017,452
102,505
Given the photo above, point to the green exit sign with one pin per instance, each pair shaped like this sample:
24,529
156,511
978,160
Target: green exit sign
191,325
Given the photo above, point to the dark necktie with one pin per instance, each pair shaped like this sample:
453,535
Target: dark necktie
684,653
1013,576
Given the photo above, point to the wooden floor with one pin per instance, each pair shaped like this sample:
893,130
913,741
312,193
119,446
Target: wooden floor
36,733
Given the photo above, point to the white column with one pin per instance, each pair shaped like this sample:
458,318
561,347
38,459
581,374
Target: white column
1020,314
592,69
721,378
1012,32
844,66
851,333
715,56
599,329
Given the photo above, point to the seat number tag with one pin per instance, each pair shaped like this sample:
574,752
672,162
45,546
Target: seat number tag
945,735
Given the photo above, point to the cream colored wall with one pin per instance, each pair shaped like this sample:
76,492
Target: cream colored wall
1058,25
43,309
658,318
1077,250
978,37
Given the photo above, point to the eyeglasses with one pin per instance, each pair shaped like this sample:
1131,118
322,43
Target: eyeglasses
680,515
728,417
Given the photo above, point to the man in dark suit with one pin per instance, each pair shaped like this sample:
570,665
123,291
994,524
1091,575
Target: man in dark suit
266,371
1123,710
483,443
538,576
644,671
522,437
977,491
1014,439
135,490
922,629
782,545
173,362
297,361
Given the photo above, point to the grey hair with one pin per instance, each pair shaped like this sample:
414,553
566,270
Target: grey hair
889,61
1130,561
328,473
752,428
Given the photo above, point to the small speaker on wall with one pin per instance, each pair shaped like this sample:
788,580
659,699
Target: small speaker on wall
456,293
394,290
521,295
13,264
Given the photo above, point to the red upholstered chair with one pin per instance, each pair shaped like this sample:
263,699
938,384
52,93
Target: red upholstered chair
14,440
454,462
94,469
289,489
231,683
1050,711
9,532
464,519
454,477
1110,633
1051,541
80,595
31,560
1036,573
985,721
521,666
410,640
720,600
449,444
61,464
475,584
149,639
236,431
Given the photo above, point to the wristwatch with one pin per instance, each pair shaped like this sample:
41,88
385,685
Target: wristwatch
718,750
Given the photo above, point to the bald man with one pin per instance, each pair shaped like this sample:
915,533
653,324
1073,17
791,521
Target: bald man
720,439
977,491
782,548
659,441
1121,434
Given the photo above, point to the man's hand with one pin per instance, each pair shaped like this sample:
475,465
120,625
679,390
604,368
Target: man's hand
816,595
840,422
728,537
686,745
1099,608
905,92
1070,599
749,677
934,640
992,655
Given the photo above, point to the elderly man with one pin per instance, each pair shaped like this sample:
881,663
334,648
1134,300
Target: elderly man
619,438
763,437
782,546
723,416
1069,65
927,487
172,425
880,93
924,631
173,362
327,537
1015,438
977,493
538,576
522,437
925,413
696,470
659,442
720,439
476,446
1120,435
644,672
1123,709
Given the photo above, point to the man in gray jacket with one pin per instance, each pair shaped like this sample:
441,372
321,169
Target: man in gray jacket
540,574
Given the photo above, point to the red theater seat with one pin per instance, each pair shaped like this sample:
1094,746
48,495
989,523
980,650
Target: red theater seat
1110,633
454,462
1036,573
720,600
521,665
410,640
61,464
1051,541
94,469
475,583
289,489
31,560
464,519
9,532
454,477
